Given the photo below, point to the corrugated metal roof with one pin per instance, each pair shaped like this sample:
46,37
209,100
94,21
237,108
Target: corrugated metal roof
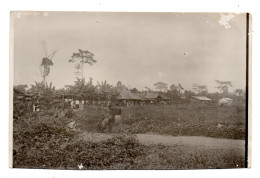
201,98
125,95
227,99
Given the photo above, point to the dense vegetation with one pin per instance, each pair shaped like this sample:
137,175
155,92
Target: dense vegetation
43,140
44,143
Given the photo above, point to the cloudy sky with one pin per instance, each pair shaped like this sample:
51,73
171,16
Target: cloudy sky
138,49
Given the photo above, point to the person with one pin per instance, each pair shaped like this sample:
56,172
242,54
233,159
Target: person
28,109
72,104
34,107
37,107
115,116
83,104
113,112
66,104
80,105
77,104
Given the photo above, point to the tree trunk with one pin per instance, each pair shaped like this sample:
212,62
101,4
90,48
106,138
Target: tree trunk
82,73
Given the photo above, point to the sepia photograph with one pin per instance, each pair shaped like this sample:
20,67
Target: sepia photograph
129,90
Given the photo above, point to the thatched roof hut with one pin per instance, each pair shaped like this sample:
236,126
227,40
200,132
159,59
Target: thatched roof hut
124,95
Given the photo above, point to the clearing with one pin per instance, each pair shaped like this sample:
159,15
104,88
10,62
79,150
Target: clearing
167,140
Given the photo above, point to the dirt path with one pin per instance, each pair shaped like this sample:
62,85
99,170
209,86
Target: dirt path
149,139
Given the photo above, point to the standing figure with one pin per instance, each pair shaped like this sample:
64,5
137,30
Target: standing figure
115,116
80,105
77,104
34,107
72,104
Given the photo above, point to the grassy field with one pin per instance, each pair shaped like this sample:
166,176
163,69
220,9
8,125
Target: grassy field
186,120
176,120
44,141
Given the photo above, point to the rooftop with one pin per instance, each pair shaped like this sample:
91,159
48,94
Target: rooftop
201,98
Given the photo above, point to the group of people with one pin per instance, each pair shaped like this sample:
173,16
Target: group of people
75,104
79,104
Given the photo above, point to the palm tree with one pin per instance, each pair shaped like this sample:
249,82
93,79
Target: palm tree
82,88
46,62
106,90
43,91
81,58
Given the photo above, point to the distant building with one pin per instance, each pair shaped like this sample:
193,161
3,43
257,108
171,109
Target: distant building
225,101
200,99
183,97
151,98
126,97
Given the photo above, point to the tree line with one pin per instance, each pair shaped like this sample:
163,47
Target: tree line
106,91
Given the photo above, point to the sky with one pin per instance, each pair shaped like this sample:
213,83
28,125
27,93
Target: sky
138,49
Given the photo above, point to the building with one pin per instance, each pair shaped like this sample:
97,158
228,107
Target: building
200,99
138,98
225,101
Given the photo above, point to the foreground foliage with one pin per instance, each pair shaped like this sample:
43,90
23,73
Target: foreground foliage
47,142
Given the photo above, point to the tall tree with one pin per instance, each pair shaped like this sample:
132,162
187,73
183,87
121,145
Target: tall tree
134,90
43,90
148,89
46,63
179,88
83,88
174,89
81,58
163,87
223,86
188,94
239,92
106,90
120,86
174,92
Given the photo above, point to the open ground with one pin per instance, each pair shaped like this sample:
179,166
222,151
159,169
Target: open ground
151,137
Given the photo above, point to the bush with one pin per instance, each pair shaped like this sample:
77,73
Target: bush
39,153
41,141
124,152
33,136
70,113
